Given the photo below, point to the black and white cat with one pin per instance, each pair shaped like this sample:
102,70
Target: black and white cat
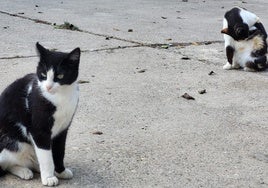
245,40
35,114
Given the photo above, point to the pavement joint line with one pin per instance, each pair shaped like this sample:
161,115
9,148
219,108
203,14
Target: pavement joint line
83,31
157,45
138,44
83,51
18,57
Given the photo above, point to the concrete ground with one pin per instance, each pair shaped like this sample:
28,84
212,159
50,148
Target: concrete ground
152,137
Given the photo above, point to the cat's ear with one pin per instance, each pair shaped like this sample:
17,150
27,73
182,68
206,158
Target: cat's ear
75,55
40,49
225,31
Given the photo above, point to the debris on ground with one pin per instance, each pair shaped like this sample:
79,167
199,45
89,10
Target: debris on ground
185,58
97,132
187,96
165,46
68,26
142,70
42,21
202,91
211,73
83,82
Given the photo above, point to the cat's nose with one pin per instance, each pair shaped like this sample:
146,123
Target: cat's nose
49,87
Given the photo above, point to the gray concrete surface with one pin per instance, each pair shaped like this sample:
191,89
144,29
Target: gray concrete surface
152,137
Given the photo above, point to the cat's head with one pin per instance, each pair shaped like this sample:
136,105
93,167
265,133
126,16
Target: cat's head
56,69
239,31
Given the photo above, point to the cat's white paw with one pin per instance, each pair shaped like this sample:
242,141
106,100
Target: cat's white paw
249,69
227,66
51,181
22,172
25,173
66,174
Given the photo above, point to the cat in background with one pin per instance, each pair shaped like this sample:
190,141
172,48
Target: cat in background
35,114
245,40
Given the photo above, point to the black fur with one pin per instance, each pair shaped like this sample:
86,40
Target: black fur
236,28
230,54
58,150
61,63
12,111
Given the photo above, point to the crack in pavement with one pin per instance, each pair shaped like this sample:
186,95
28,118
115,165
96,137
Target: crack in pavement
137,44
83,51
18,57
83,31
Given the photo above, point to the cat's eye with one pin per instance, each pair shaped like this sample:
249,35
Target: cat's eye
60,76
44,75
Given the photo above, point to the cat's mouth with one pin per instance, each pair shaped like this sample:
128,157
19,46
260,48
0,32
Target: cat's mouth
50,90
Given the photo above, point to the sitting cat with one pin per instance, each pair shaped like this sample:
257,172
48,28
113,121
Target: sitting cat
245,40
35,114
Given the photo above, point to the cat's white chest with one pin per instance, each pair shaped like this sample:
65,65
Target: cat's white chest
66,102
243,51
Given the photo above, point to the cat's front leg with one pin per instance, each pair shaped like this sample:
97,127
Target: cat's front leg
230,55
44,155
58,150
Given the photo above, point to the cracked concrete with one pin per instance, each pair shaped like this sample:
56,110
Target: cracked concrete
107,37
133,82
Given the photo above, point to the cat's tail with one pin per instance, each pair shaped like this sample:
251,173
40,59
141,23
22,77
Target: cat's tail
259,64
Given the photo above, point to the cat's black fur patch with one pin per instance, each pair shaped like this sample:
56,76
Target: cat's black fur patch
12,111
62,63
230,53
236,28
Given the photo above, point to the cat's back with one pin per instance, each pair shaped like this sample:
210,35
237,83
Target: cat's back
18,87
13,98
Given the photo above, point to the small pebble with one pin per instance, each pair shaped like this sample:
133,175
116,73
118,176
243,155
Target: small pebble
187,96
202,91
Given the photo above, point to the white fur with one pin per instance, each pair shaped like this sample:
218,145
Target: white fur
66,100
46,165
248,17
22,160
66,174
64,97
22,172
26,103
29,90
242,53
23,129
